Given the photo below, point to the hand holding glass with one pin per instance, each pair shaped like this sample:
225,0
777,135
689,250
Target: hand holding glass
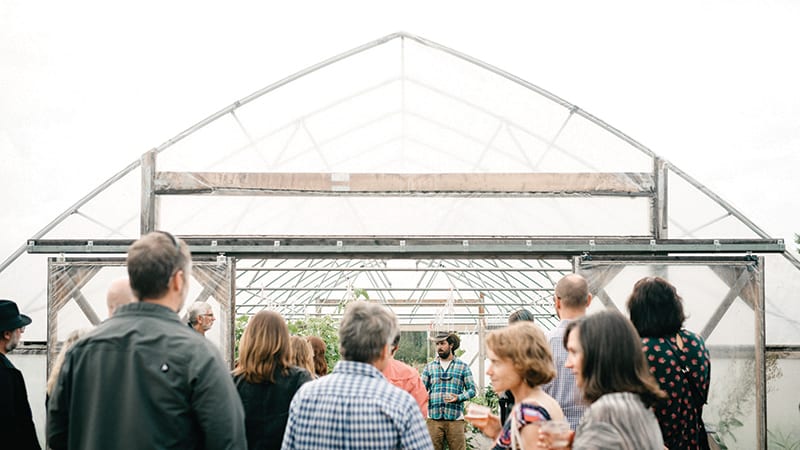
556,433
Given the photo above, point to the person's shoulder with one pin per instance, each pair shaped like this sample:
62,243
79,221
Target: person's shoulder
692,337
5,362
299,373
394,395
403,368
461,364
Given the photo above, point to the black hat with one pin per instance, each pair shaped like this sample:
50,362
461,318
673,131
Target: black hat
10,318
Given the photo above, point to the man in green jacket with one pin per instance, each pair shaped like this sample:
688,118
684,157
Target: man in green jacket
142,378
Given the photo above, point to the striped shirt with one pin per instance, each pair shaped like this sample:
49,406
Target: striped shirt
564,388
354,408
456,379
526,414
619,420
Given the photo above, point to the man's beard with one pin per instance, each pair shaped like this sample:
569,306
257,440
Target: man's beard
444,354
12,344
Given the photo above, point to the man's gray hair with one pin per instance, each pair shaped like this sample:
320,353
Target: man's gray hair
196,310
365,330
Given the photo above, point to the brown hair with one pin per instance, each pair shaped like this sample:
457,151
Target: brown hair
153,260
318,346
524,344
613,360
264,348
302,354
655,307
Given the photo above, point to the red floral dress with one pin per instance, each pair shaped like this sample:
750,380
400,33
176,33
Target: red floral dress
682,368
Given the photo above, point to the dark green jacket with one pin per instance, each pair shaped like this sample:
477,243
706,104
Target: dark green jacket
142,379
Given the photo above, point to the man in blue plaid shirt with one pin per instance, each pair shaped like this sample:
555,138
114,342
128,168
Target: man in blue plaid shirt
355,407
449,383
571,298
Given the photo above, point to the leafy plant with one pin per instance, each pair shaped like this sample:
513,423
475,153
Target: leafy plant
413,348
324,327
783,441
733,407
487,398
238,329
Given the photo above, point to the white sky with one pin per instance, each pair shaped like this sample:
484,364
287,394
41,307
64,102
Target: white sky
87,87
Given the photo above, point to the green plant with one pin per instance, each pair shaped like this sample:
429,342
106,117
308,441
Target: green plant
238,329
413,348
324,327
784,441
743,392
487,398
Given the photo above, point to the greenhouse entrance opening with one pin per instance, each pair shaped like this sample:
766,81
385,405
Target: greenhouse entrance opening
723,299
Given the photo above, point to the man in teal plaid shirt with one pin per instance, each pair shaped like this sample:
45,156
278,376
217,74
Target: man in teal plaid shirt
449,383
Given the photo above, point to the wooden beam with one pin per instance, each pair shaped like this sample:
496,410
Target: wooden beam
148,218
404,184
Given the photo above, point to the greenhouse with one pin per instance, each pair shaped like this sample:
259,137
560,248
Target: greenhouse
449,190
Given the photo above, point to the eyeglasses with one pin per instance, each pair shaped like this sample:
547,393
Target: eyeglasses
445,376
171,238
177,257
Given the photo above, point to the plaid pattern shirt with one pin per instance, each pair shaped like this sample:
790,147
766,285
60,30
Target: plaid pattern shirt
354,408
564,388
457,379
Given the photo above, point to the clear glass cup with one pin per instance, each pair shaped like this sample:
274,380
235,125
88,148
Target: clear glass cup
556,433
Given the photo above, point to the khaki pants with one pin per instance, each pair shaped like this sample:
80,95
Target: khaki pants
450,430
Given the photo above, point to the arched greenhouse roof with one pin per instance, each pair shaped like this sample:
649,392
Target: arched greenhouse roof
403,138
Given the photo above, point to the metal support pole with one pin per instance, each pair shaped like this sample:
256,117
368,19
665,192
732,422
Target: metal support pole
660,216
481,344
760,356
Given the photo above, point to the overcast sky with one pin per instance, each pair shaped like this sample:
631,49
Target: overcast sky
87,87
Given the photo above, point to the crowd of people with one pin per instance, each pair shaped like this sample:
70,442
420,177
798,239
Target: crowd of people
144,379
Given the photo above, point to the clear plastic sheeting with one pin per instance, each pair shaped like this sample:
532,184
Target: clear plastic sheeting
723,302
77,297
405,137
525,163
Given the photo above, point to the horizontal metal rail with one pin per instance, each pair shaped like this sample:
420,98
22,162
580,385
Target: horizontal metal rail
416,247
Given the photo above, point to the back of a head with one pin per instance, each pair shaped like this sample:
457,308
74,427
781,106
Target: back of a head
525,345
655,307
264,348
302,353
520,315
319,347
573,290
366,328
613,360
119,293
153,260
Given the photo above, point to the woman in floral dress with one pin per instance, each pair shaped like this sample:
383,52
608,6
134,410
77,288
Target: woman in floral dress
678,359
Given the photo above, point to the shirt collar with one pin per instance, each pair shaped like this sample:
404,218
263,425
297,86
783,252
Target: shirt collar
146,309
357,368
